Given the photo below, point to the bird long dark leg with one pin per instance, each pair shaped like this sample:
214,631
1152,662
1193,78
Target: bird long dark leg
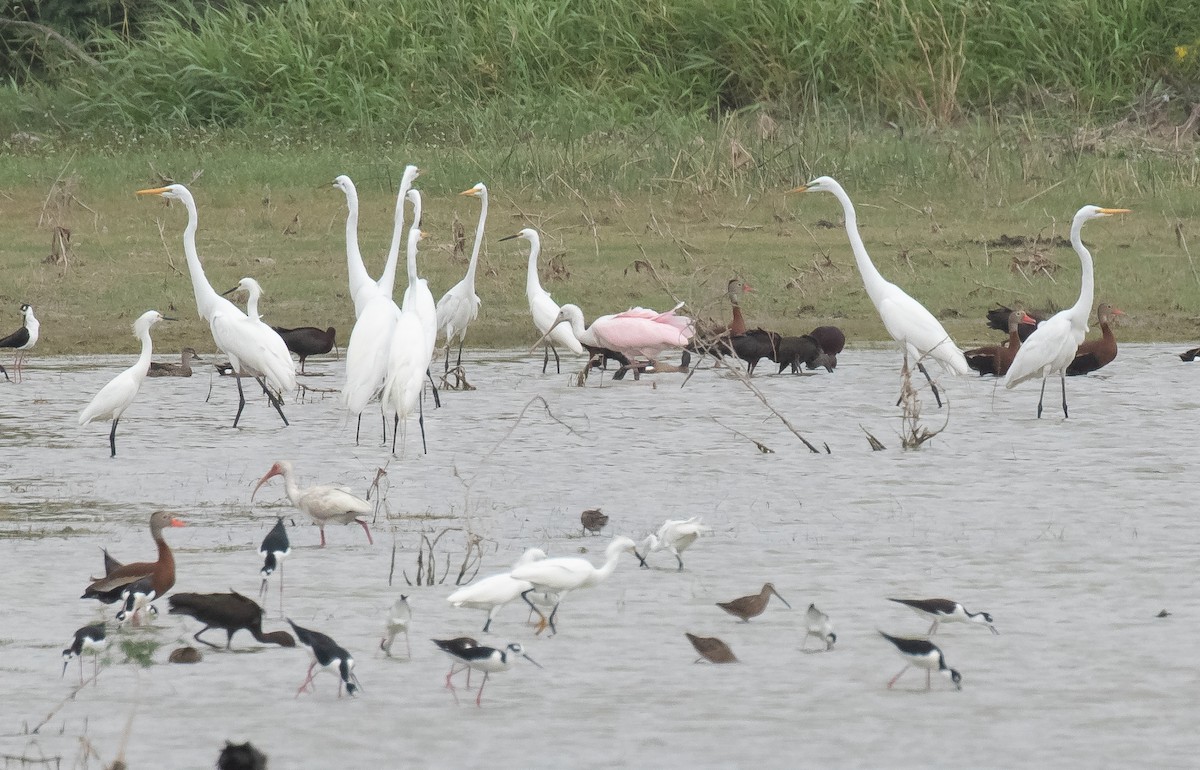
447,371
273,400
932,629
395,431
897,676
1063,376
545,357
262,589
1042,396
358,429
532,606
488,624
383,420
241,400
550,620
112,437
679,559
928,677
196,636
5,373
933,387
421,422
458,363
437,399
557,363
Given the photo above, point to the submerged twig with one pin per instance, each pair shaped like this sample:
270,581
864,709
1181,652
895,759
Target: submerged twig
761,446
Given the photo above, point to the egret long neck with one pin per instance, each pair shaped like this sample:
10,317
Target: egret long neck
470,279
252,303
1082,308
355,269
606,569
206,296
872,279
387,280
533,286
143,362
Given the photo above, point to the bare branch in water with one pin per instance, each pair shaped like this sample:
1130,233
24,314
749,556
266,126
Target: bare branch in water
761,446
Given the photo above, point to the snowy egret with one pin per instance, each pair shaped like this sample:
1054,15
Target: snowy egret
945,611
115,397
327,654
229,612
324,504
21,340
1052,346
922,653
542,306
913,327
746,607
460,305
564,574
492,593
250,345
676,536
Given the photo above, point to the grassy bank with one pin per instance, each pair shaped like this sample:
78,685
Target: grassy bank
948,215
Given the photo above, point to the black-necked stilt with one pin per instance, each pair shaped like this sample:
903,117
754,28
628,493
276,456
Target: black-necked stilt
329,656
113,585
676,536
711,649
752,606
274,549
453,647
485,659
923,654
568,573
493,592
593,521
21,340
397,622
230,612
323,504
136,597
87,639
818,625
945,611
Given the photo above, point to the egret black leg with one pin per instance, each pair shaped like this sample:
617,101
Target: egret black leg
457,364
1042,396
437,400
550,620
383,420
241,400
273,400
925,372
112,437
1063,375
447,370
532,606
5,373
545,358
421,422
358,428
395,430
557,364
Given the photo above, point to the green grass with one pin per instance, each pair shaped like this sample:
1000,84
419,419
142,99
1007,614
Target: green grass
928,204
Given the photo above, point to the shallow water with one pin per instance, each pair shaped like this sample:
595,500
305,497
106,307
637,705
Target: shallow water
1072,534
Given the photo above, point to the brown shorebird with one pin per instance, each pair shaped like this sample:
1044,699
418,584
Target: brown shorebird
593,521
229,612
711,649
185,655
753,605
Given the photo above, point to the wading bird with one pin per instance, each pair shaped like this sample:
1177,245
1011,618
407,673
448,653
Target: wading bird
922,653
307,341
460,306
21,340
637,332
913,327
323,504
832,341
996,359
1052,346
251,350
492,593
398,620
817,624
711,649
452,647
330,656
564,574
489,660
676,536
161,572
362,287
274,549
230,612
115,397
91,639
181,369
752,606
136,597
1098,353
542,306
945,611
593,520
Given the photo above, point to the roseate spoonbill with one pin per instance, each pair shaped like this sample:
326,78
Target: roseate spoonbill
116,396
542,306
252,347
323,504
564,574
460,306
230,612
593,520
489,660
752,606
676,536
945,611
996,359
1098,353
21,340
492,593
327,654
711,649
1052,346
91,639
161,572
922,653
636,332
181,369
913,327
307,341
817,624
398,620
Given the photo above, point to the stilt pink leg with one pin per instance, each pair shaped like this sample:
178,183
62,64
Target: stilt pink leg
307,679
370,540
479,697
897,676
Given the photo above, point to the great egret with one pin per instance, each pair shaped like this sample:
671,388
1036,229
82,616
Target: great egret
908,322
1100,352
249,344
542,306
387,279
411,349
115,397
22,339
367,354
1052,346
362,287
460,306
324,504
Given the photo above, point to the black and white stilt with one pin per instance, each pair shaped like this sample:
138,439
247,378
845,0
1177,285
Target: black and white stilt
87,639
327,654
945,611
922,653
274,549
486,659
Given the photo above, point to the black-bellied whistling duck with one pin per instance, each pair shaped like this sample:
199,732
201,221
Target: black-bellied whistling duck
330,656
832,341
593,521
998,319
752,606
231,612
181,369
995,359
711,649
160,572
733,290
1098,353
307,341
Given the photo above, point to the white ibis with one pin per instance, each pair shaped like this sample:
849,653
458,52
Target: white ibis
323,504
